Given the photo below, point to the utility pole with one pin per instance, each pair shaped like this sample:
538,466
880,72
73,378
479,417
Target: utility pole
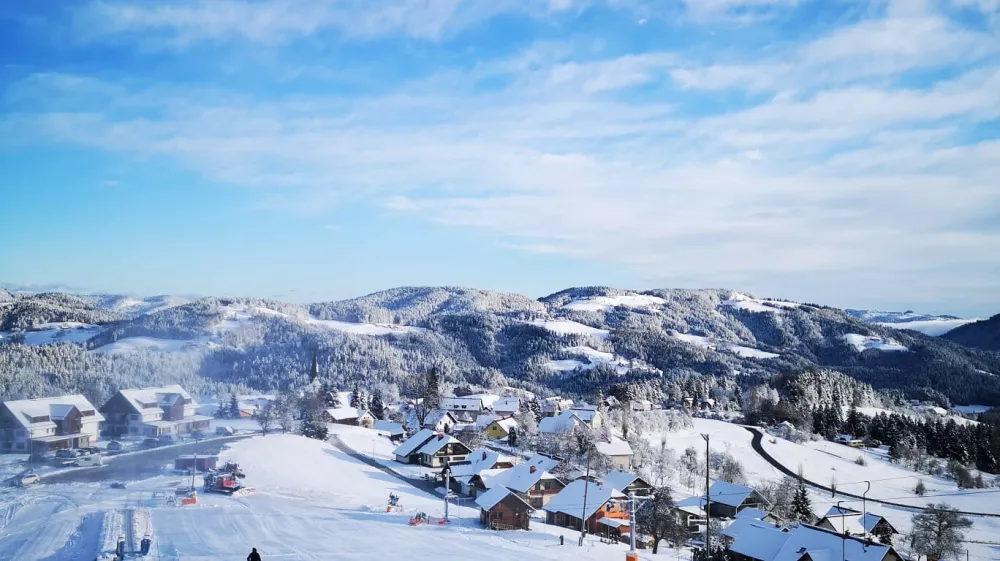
864,513
447,489
708,499
843,532
586,487
631,529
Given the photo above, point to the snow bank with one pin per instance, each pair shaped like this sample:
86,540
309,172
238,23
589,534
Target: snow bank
602,303
865,342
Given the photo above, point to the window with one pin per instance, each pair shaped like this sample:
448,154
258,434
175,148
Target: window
133,417
498,515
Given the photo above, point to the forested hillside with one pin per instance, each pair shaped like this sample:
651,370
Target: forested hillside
662,343
983,334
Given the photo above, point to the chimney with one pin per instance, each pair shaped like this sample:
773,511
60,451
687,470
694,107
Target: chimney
440,436
531,469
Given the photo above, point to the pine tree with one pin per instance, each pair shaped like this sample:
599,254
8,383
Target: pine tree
234,408
357,398
535,407
801,504
313,421
432,393
333,398
377,408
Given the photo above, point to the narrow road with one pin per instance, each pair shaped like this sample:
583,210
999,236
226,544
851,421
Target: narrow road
423,485
129,532
756,443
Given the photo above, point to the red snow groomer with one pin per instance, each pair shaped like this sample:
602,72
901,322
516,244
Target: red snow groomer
227,481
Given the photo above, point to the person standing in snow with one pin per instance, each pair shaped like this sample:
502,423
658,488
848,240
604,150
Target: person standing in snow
254,556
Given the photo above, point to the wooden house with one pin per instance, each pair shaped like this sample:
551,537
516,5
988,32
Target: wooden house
350,416
440,450
761,541
532,480
627,483
727,499
465,474
856,523
502,509
152,412
604,508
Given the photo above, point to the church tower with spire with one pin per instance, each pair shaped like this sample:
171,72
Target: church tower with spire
314,376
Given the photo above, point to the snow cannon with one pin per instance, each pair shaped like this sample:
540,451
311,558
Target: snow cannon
393,504
144,546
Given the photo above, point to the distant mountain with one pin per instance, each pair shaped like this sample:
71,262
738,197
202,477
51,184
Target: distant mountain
925,323
574,341
5,296
983,334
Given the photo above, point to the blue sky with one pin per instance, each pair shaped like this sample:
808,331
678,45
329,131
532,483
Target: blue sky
836,151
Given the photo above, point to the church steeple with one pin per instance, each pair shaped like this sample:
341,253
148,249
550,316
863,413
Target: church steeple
314,378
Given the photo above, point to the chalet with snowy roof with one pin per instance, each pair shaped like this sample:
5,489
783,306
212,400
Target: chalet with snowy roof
728,499
406,453
604,509
627,483
641,405
752,513
552,406
39,425
442,449
616,450
465,474
500,428
761,541
855,523
502,509
588,415
507,406
465,409
350,416
746,517
393,430
691,513
532,480
152,412
562,423
483,420
440,420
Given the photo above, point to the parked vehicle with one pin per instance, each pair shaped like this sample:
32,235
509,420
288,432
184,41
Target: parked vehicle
117,484
224,431
29,479
67,454
168,439
199,435
114,446
150,443
89,460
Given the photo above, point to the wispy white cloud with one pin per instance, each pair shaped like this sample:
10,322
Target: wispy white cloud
834,166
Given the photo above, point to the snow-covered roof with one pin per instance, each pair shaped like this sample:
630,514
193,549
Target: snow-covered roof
692,505
434,417
434,445
410,445
619,479
50,408
478,460
729,494
570,499
468,403
753,513
346,413
563,422
147,398
507,404
506,424
614,522
613,446
585,415
483,420
522,477
491,498
740,524
390,427
763,541
852,521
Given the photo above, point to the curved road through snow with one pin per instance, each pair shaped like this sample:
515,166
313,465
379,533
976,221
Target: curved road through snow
758,436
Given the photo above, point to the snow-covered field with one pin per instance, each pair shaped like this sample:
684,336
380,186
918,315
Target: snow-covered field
152,344
709,343
865,342
602,303
759,305
313,502
57,332
567,327
591,358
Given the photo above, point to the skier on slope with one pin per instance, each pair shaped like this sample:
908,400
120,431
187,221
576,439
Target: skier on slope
254,556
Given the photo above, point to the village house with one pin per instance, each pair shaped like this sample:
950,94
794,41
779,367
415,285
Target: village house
406,453
464,474
502,509
588,415
393,430
562,423
507,406
350,416
727,499
854,523
605,510
464,409
691,514
627,483
152,412
552,406
760,541
616,450
500,428
745,518
531,480
641,405
39,425
439,420
442,449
